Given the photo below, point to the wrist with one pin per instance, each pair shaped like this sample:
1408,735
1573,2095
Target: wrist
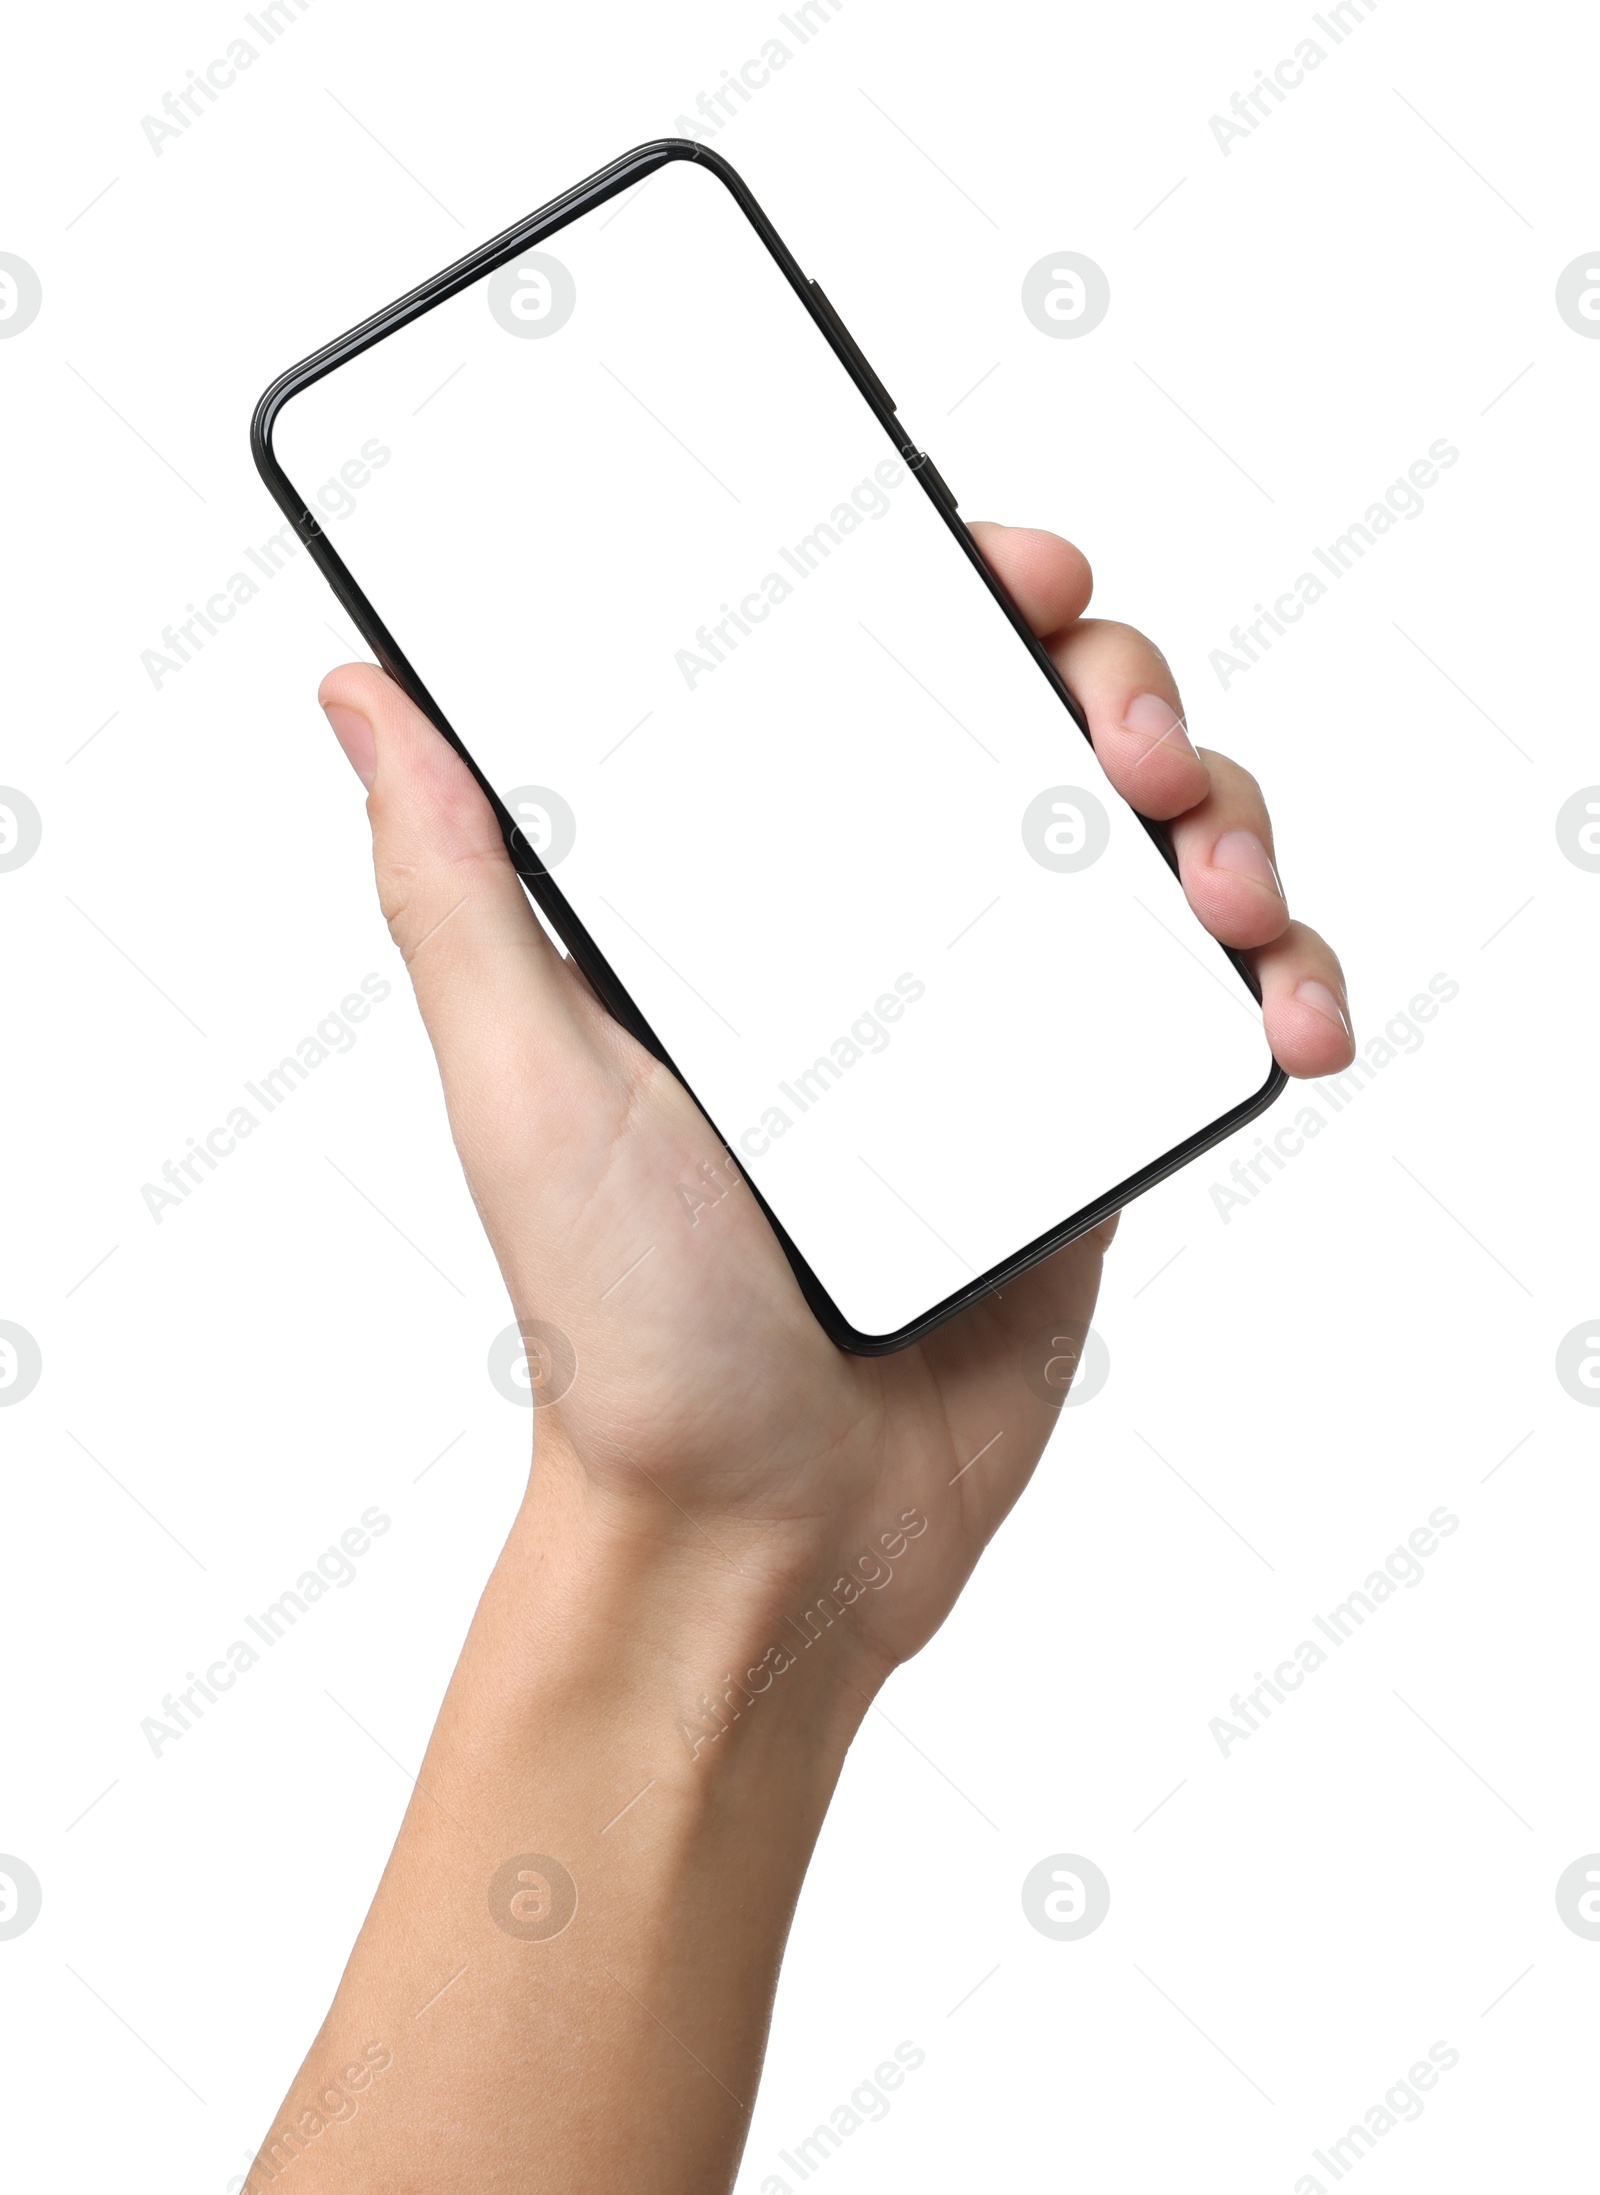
698,1646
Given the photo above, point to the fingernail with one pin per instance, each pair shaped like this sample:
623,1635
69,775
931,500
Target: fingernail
1158,721
1243,853
354,734
1325,1001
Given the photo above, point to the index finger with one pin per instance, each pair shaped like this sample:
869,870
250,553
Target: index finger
1120,680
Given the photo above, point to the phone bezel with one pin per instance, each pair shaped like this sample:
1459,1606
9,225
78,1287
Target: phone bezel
629,169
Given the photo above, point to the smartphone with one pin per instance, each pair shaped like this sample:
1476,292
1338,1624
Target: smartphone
623,507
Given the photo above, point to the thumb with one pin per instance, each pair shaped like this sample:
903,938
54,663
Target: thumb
495,994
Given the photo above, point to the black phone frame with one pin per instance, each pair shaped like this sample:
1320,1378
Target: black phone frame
620,175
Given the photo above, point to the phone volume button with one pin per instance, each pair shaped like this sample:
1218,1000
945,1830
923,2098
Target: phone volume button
852,348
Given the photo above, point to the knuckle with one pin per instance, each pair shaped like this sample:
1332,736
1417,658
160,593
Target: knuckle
1134,642
1232,781
416,897
397,896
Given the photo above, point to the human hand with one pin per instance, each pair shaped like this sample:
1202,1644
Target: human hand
710,1418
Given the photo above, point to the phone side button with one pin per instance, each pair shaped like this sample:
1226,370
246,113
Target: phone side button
927,470
857,355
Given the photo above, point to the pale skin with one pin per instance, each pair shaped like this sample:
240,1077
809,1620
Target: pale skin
715,1467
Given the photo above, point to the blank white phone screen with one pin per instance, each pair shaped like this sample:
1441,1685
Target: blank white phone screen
715,646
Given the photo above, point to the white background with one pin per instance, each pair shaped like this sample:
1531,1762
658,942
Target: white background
1291,1391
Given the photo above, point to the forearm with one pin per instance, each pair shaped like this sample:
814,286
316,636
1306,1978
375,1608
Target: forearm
506,2045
